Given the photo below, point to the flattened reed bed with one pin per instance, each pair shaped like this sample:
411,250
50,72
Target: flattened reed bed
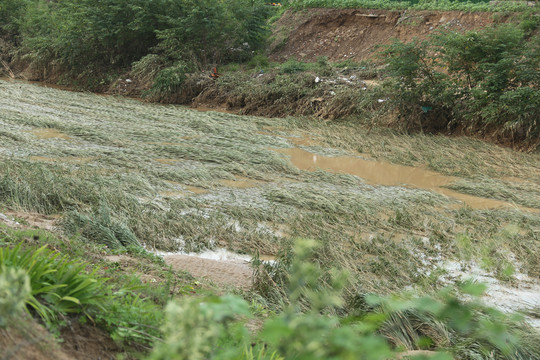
382,225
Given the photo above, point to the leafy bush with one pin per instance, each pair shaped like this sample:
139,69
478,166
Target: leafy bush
130,318
168,81
293,66
89,43
84,35
481,81
11,14
214,32
258,62
146,69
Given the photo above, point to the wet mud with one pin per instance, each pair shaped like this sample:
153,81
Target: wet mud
386,174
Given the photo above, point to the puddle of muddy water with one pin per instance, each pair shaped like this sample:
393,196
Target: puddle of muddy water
49,133
172,194
381,173
302,141
181,190
267,258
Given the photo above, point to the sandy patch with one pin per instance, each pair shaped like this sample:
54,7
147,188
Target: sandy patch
235,273
23,220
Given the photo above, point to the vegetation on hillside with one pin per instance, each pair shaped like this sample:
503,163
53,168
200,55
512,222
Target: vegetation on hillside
483,81
89,41
125,178
442,5
62,283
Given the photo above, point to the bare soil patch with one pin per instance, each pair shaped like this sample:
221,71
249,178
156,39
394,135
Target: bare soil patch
28,340
222,272
87,342
20,219
355,34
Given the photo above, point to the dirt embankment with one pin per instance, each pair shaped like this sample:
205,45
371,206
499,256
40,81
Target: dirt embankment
342,34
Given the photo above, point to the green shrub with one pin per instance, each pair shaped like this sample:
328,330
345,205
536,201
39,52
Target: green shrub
483,81
214,32
146,69
11,15
293,66
168,81
130,318
258,62
85,36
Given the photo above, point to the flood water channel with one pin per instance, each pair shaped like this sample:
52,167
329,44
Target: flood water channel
387,174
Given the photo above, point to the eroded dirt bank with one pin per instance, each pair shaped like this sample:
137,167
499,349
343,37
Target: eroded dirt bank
342,34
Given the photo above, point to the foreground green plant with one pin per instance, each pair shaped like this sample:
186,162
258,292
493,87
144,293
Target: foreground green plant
214,328
130,310
58,286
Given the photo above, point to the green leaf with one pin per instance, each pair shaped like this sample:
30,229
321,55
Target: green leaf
473,288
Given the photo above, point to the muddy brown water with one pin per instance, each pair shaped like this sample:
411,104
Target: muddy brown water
386,174
196,190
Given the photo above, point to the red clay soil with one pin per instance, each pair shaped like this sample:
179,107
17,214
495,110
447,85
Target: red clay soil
342,34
